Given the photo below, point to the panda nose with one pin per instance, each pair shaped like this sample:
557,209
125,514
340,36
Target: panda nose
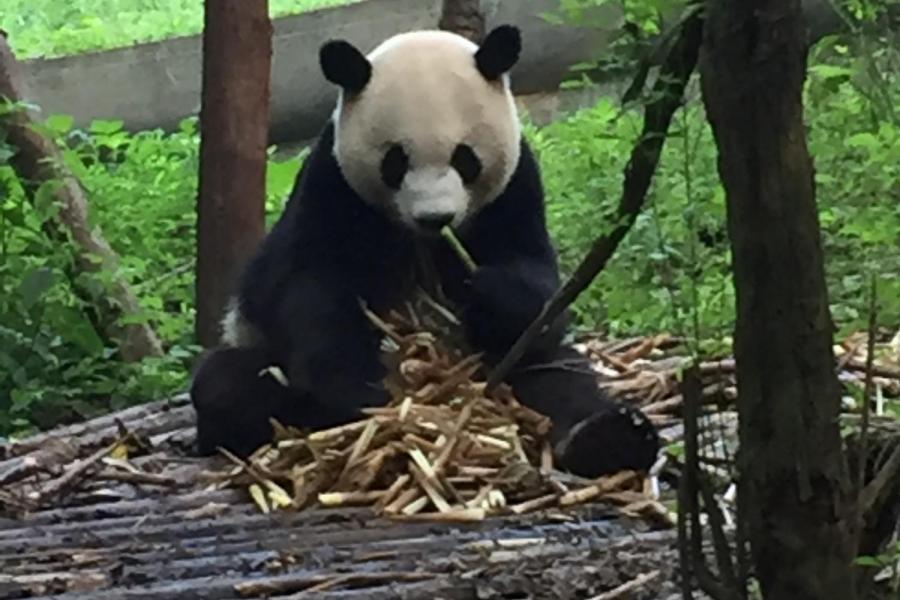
434,221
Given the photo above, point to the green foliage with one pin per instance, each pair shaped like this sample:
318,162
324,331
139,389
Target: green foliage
887,561
650,283
644,15
673,272
663,271
887,558
54,366
54,28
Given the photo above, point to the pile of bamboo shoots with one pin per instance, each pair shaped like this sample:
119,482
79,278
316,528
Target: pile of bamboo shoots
442,449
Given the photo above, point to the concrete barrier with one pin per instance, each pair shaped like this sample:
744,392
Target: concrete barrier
156,85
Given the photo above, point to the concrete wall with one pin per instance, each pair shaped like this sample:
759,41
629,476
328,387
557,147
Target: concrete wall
158,84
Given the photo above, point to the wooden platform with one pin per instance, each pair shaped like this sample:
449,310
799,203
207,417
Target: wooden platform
73,526
110,535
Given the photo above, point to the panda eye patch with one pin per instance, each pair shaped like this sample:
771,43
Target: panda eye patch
466,163
394,166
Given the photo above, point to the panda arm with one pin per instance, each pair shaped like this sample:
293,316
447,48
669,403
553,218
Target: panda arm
506,296
517,267
331,348
316,332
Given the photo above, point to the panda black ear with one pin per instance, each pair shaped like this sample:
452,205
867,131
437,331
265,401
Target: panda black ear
344,65
499,51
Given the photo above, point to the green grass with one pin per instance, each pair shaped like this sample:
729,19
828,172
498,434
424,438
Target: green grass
60,27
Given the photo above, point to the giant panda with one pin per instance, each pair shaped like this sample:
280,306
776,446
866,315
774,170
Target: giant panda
425,134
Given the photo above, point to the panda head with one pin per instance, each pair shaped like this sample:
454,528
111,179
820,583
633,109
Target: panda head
426,126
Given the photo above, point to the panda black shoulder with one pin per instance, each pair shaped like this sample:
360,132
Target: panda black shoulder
517,218
326,232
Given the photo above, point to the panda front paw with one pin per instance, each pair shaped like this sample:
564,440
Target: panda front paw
233,403
615,438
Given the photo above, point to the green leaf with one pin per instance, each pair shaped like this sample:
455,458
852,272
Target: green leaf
280,177
863,140
75,164
75,328
104,127
867,561
34,284
46,205
60,124
188,126
676,449
831,71
6,153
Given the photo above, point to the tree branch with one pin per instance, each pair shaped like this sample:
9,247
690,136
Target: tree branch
38,161
667,96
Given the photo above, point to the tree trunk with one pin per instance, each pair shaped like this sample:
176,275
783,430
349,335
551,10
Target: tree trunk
234,120
793,474
107,296
463,17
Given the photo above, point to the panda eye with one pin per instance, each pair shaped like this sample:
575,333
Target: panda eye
466,163
394,166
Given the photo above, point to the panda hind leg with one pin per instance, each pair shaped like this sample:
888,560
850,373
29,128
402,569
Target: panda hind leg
234,403
592,435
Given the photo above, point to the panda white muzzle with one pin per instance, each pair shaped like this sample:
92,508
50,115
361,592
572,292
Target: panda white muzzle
431,199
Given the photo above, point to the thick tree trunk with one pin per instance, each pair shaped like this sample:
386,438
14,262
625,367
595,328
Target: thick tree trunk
793,473
463,17
234,121
107,296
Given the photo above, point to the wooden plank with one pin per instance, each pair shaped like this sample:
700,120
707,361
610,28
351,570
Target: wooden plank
315,561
